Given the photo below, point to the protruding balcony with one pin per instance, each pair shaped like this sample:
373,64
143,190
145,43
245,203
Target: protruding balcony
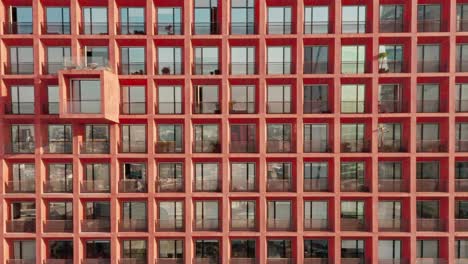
391,145
279,185
316,224
392,225
169,28
393,185
430,185
243,224
242,146
169,147
316,107
279,225
133,225
25,186
206,224
58,186
131,28
242,107
461,185
205,185
95,147
63,147
170,185
96,186
316,185
58,226
389,25
18,28
206,146
170,225
431,145
21,226
430,224
279,146
317,146
132,186
391,106
362,145
95,225
429,25
353,224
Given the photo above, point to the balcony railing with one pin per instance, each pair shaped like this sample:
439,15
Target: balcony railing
242,224
243,28
58,226
429,25
94,186
20,261
462,65
206,146
316,260
20,68
316,107
430,66
133,225
392,66
21,226
461,106
354,67
353,224
62,147
279,28
461,261
170,261
243,68
169,147
279,224
18,28
241,146
136,68
391,145
461,146
132,186
316,67
203,185
430,185
245,107
20,147
279,146
429,106
52,67
133,108
94,28
84,106
430,224
206,260
354,26
316,224
140,260
285,67
206,224
391,25
59,28
361,145
461,224
316,185
280,107
243,185
170,185
131,28
95,225
22,108
95,147
462,25
51,108
394,261
206,68
279,185
431,145
59,261
169,68
168,108
166,225
317,27
281,261
169,28
58,186
393,185
24,186
431,261
354,185
100,260
206,28
235,260
354,261
206,108
461,185
391,106
391,225
354,107
137,146
317,146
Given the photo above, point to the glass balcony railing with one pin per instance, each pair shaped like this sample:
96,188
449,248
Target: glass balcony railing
316,185
429,25
133,225
57,28
61,147
280,67
360,145
391,106
316,67
316,107
354,185
205,185
283,28
279,146
279,107
243,224
170,224
132,186
94,186
393,185
243,68
279,224
169,147
316,224
391,25
131,28
279,185
241,146
317,27
133,68
84,106
431,145
317,146
18,28
58,186
316,260
353,224
430,185
243,28
244,107
206,146
391,145
19,108
206,224
23,186
461,225
430,224
206,108
95,225
170,185
58,226
169,68
20,68
21,225
242,184
392,225
206,28
461,185
94,28
95,147
169,28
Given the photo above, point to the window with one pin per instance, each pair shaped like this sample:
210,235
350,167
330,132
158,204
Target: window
243,176
207,249
461,97
170,177
134,212
429,18
316,20
60,211
133,60
22,100
390,98
134,171
462,17
279,60
23,211
427,170
353,19
391,18
85,97
60,249
314,248
60,139
279,20
351,248
427,248
96,56
96,139
315,99
21,60
57,57
170,215
243,138
205,17
22,139
170,60
133,138
461,209
169,21
207,61
429,58
390,137
353,59
170,138
243,249
316,59
206,138
279,249
98,249
315,176
132,20
96,178
279,99
243,215
169,100
352,210
243,99
23,180
428,98
206,99
21,20
94,21
316,215
206,215
134,250
57,20
24,250
461,130
461,249
243,60
279,215
352,176
133,100
353,138
97,210
206,177
392,61
353,98
461,170
242,17
389,250
279,176
170,249
462,51
427,137
52,100
427,209
389,213
316,138
279,138
59,177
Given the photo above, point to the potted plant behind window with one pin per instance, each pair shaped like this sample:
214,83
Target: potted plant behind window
383,65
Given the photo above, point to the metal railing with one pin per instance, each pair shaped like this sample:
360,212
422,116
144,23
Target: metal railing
206,68
316,67
353,224
391,25
133,108
52,67
279,28
316,185
316,107
203,185
279,107
51,108
431,145
316,224
461,224
462,25
461,145
168,28
20,147
169,68
461,106
21,226
361,145
317,146
354,26
22,108
317,27
24,186
206,28
170,185
131,28
95,147
242,224
206,108
132,146
353,107
94,186
429,25
18,27
243,28
279,224
243,146
169,108
63,147
136,68
243,185
430,185
391,106
19,68
430,225
280,67
206,146
95,225
168,224
132,186
58,226
242,68
279,185
393,185
316,260
133,225
62,28
206,224
354,185
94,28
58,186
169,147
279,146
391,145
244,107
461,185
392,225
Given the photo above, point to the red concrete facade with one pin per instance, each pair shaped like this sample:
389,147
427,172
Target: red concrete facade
447,154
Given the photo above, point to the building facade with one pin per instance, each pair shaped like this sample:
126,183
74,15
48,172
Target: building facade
240,131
